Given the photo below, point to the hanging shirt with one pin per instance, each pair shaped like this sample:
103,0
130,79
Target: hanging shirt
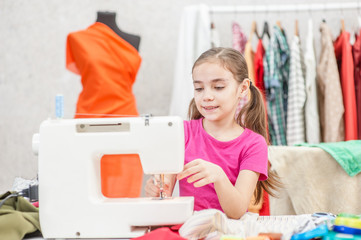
108,66
276,71
343,53
194,38
258,79
258,67
329,91
239,38
313,134
356,50
296,96
249,56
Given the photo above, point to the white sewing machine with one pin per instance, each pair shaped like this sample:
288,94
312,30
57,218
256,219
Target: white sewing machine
71,201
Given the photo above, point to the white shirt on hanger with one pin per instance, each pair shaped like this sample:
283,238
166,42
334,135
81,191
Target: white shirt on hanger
313,134
194,39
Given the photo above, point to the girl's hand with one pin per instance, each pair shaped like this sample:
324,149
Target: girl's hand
152,187
201,173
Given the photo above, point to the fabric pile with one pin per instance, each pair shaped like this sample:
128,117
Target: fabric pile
212,224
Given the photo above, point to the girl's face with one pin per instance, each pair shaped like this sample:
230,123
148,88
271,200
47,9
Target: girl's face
216,92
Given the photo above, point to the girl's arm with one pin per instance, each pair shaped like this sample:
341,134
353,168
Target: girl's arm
234,200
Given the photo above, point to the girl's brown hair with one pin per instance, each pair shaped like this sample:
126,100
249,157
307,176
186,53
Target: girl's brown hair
251,116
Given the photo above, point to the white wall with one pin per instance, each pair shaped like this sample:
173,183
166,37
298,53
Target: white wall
32,59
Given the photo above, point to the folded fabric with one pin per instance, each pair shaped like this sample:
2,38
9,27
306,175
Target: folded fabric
212,224
313,182
18,217
163,233
347,154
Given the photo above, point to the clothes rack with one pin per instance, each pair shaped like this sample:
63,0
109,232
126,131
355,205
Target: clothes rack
287,7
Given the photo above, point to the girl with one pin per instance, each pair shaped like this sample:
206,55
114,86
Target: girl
226,158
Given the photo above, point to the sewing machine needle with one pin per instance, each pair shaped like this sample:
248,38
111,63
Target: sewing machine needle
161,187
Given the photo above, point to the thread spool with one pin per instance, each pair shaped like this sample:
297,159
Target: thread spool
59,106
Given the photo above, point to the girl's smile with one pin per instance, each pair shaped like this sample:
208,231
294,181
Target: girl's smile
210,108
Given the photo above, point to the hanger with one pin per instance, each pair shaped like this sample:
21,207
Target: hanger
342,25
266,30
278,23
358,13
212,22
324,13
254,31
296,28
342,22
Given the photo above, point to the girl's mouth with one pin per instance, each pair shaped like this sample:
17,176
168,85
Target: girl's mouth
208,108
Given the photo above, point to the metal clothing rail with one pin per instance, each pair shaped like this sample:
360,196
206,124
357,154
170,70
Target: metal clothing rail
287,7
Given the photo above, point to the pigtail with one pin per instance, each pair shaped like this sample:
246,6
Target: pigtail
193,112
253,114
254,118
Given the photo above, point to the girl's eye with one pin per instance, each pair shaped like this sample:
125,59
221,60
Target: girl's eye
218,88
198,89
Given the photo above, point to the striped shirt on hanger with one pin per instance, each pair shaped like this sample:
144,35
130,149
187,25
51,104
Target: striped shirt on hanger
276,71
296,96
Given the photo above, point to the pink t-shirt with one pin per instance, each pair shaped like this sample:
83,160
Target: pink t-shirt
248,151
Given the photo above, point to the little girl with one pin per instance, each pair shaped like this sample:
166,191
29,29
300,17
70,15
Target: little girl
226,158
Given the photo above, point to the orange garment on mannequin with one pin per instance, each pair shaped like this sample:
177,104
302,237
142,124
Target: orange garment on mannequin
108,66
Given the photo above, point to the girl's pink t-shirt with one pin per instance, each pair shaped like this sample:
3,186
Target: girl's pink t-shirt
246,152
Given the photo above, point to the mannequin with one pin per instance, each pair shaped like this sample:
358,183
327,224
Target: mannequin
108,61
108,18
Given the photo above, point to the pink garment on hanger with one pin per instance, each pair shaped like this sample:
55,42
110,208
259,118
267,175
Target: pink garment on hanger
239,38
356,50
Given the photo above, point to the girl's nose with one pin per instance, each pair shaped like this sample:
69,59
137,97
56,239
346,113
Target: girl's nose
208,95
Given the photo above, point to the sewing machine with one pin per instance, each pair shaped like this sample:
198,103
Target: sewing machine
71,201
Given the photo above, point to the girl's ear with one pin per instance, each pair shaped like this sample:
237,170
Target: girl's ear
243,88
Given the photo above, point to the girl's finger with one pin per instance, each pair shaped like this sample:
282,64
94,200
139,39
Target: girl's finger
195,177
187,172
192,164
152,191
201,183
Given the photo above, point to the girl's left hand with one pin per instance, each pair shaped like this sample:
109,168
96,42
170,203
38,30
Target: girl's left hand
201,173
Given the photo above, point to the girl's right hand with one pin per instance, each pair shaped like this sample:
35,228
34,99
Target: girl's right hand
152,187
